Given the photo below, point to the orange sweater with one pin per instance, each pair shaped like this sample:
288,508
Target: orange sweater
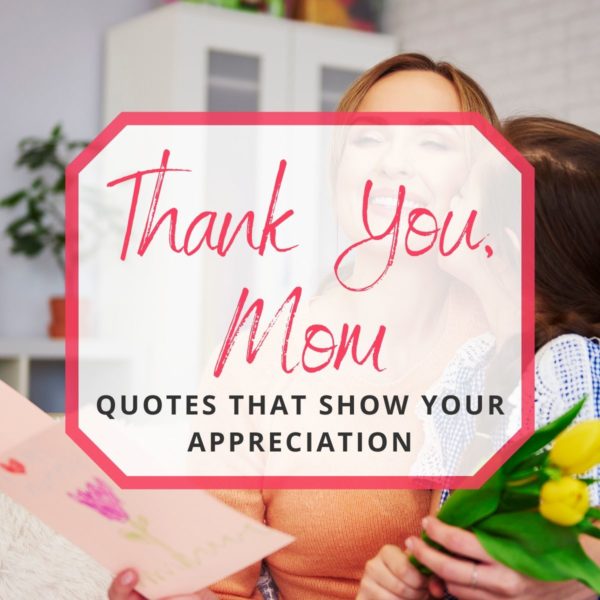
336,532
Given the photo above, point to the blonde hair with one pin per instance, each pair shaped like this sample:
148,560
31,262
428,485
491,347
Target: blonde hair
472,98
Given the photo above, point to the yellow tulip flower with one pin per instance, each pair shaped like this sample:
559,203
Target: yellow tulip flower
564,501
577,449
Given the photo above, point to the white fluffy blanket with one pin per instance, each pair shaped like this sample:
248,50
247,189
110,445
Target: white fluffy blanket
35,562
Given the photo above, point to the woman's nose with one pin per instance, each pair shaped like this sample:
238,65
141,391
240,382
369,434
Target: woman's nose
396,162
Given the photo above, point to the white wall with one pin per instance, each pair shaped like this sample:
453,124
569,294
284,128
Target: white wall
531,56
51,70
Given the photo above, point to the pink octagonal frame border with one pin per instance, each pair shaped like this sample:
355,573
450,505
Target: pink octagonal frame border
125,481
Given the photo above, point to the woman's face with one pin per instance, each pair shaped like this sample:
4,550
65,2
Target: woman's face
429,161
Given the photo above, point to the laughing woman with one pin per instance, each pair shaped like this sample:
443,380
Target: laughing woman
336,531
567,255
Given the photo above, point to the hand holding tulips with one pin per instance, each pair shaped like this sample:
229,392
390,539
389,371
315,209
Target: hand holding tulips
528,517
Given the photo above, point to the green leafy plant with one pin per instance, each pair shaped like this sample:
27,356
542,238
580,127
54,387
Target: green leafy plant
41,222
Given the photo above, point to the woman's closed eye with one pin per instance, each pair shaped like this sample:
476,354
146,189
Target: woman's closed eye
372,137
434,143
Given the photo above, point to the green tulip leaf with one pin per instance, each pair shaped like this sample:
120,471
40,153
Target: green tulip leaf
593,513
542,437
553,565
530,466
529,489
588,480
589,529
533,532
466,507
517,501
529,544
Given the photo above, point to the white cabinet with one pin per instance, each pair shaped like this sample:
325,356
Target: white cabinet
328,59
186,57
36,367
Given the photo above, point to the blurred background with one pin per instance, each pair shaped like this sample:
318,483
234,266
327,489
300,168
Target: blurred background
79,63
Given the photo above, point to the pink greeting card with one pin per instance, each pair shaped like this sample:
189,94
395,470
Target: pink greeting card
178,540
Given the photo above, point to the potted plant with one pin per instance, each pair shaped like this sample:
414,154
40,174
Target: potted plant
40,223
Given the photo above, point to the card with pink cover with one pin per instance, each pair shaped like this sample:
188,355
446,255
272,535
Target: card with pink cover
178,540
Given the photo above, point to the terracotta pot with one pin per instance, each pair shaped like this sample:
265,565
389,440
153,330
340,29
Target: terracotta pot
56,328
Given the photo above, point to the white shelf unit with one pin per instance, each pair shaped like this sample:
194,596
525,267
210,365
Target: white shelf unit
36,367
22,361
187,57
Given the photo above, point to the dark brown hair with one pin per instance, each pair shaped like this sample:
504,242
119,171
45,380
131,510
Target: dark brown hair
566,159
471,97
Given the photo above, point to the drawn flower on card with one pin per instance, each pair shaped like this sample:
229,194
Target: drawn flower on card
100,497
14,466
139,532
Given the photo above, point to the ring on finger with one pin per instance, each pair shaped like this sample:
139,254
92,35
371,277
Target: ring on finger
474,576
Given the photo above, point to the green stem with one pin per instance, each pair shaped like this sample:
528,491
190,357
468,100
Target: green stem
419,565
141,528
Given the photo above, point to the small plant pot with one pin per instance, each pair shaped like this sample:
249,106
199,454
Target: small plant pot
56,328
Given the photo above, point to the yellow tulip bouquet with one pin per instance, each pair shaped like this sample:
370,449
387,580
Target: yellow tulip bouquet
530,513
